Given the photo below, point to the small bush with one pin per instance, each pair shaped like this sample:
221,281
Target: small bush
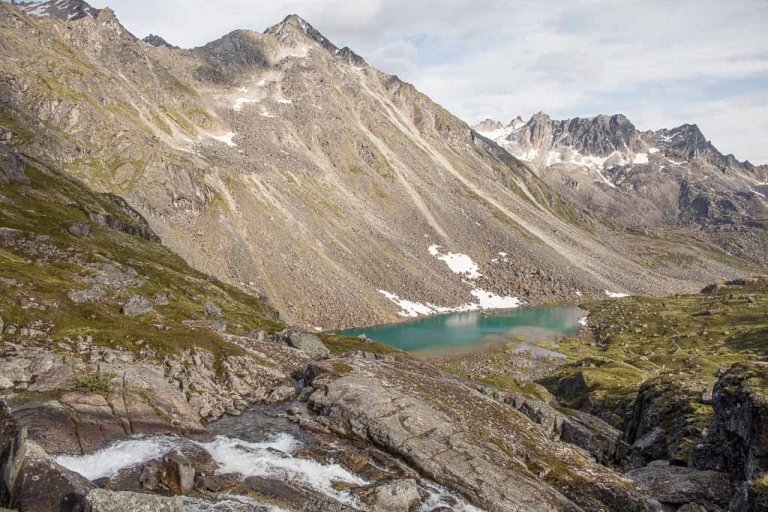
98,382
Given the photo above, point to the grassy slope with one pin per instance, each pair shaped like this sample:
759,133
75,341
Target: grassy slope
674,346
48,207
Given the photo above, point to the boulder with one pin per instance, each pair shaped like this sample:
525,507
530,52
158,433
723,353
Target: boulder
100,500
80,229
177,473
397,496
29,479
212,309
306,342
136,305
678,485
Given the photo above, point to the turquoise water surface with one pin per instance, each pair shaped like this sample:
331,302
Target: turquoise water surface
476,329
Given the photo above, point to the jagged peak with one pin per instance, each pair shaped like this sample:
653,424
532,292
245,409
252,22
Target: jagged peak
158,41
294,28
66,10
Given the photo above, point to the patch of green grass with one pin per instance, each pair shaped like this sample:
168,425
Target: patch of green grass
508,383
339,345
761,483
96,382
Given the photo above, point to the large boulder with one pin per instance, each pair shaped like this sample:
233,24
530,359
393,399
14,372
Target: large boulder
100,500
396,496
306,342
30,480
677,485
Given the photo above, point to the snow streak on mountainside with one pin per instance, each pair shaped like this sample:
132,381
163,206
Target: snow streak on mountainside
281,163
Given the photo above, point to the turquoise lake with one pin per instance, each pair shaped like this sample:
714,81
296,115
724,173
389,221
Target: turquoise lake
478,329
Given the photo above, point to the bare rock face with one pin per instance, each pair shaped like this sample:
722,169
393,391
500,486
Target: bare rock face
100,500
29,480
594,435
738,438
11,167
677,485
496,458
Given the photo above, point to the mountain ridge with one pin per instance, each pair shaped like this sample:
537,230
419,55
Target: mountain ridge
313,147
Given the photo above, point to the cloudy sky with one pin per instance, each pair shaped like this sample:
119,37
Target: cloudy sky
662,63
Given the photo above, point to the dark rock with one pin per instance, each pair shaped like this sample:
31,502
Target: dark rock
676,485
177,473
100,500
11,167
80,229
737,440
218,483
748,497
136,305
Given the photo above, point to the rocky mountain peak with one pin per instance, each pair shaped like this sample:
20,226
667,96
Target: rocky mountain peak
66,10
294,31
158,41
487,125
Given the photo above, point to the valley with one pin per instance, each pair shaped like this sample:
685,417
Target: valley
262,275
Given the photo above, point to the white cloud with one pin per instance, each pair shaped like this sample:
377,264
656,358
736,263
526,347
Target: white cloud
661,63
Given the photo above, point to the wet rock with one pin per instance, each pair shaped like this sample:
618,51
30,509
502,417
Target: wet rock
177,473
218,483
677,485
306,342
100,500
80,229
212,309
136,305
30,480
397,496
2,324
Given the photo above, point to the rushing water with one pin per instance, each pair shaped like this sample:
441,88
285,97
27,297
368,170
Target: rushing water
476,329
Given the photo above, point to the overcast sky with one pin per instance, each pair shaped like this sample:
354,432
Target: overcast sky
660,62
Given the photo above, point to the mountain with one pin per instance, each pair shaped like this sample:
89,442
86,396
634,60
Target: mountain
668,178
155,40
66,10
287,166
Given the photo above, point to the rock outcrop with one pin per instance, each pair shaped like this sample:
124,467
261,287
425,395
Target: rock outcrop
444,429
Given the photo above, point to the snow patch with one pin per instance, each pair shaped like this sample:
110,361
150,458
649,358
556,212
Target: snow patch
227,138
653,151
488,300
583,321
408,308
616,295
457,262
241,102
640,158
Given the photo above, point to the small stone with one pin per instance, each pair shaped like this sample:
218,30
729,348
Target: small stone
162,299
212,309
294,411
80,229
